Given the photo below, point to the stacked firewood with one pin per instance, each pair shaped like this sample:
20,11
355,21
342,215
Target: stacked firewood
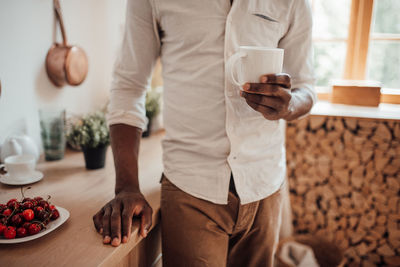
344,176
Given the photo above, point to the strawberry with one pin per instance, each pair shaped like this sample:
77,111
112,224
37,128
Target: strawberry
2,228
13,204
11,201
16,220
34,228
44,204
22,232
9,232
55,214
37,210
28,215
27,205
26,225
7,212
43,216
34,202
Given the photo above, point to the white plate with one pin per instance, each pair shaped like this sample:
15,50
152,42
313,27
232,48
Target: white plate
36,176
64,215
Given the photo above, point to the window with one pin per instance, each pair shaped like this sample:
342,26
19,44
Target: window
331,24
358,39
383,62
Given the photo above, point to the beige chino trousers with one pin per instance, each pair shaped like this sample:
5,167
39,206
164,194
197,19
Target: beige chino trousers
197,232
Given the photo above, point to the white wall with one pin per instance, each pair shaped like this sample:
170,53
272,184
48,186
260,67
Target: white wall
27,30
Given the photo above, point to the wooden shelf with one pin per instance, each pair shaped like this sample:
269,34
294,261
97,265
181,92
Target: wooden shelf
382,112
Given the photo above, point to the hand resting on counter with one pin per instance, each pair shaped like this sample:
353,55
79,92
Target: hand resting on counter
114,220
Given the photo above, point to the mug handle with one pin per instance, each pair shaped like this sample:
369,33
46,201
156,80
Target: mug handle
231,66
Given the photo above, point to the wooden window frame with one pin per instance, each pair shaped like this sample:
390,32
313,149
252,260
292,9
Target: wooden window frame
359,37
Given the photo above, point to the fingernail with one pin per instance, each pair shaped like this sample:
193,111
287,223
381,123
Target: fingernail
145,233
264,79
246,86
115,241
101,230
124,239
106,239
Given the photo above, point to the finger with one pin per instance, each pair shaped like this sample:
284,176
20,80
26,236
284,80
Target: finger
268,90
267,112
127,214
146,220
106,225
269,101
116,224
97,220
262,88
283,79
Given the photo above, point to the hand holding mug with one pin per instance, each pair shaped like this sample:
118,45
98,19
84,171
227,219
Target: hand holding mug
271,96
257,70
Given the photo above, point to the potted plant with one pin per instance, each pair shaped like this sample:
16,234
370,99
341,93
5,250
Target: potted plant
152,108
91,134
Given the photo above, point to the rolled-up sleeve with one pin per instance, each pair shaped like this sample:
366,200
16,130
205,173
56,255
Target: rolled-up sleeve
297,42
133,67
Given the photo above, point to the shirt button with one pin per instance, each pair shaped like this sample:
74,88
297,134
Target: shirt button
230,93
234,157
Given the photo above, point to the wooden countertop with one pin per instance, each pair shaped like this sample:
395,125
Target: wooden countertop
382,112
82,193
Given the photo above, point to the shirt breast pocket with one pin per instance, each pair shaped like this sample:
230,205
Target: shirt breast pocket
264,23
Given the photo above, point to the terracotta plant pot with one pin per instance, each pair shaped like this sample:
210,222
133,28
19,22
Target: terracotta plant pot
95,158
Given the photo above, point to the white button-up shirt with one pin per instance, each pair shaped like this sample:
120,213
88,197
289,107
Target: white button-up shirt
211,131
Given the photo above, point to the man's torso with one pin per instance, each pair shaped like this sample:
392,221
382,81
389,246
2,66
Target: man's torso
210,129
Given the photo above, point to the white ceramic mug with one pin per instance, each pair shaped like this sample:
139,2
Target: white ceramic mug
251,62
19,167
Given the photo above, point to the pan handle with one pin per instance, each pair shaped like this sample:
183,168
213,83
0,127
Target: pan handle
57,9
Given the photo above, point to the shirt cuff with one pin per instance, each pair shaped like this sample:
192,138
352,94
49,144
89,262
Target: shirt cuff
128,118
313,94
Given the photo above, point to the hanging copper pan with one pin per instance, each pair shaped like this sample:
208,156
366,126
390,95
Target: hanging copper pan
65,64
